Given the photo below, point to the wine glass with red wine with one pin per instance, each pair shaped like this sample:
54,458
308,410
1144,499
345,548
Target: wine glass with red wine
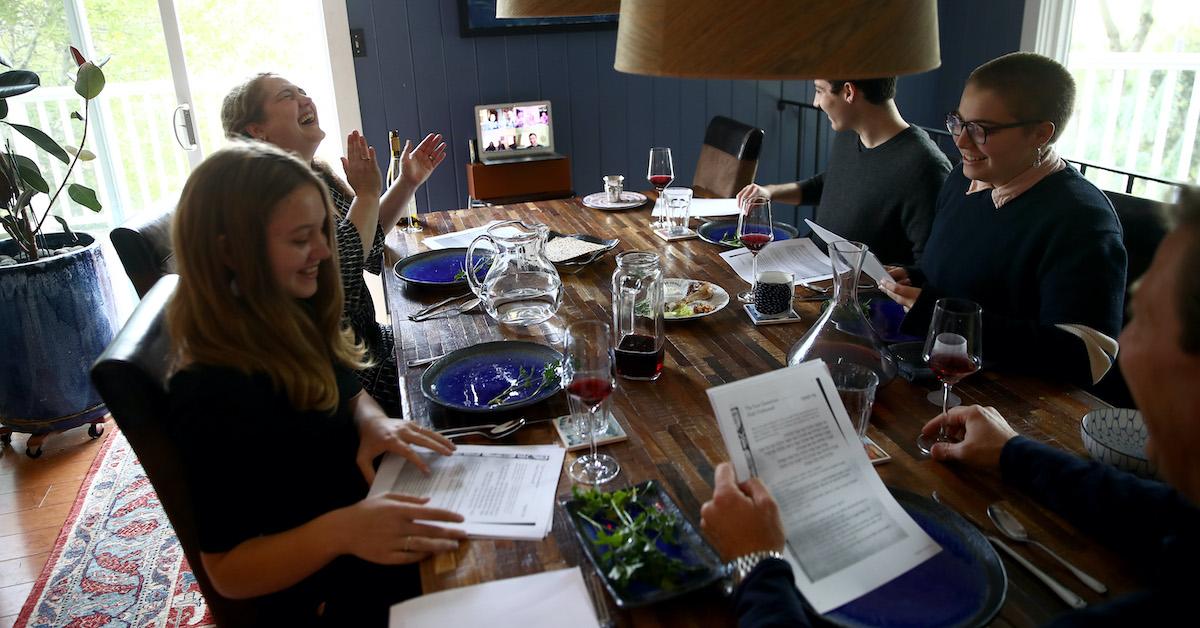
755,230
953,350
660,173
587,376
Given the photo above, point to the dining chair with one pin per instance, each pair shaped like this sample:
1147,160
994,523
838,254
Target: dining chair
728,158
1144,225
144,246
131,377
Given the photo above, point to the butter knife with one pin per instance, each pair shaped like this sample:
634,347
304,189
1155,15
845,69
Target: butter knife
1059,589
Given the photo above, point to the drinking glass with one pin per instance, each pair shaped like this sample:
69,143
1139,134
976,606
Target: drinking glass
953,349
754,231
587,376
679,204
856,386
660,173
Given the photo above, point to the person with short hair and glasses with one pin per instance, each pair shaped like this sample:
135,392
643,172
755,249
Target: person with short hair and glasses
1153,524
883,175
1021,232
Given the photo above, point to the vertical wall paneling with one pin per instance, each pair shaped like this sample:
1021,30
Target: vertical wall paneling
582,80
614,142
464,95
693,120
420,75
433,99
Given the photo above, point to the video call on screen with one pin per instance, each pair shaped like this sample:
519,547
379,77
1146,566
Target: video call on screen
514,128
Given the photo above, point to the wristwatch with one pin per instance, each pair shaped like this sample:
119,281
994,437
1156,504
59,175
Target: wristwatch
737,569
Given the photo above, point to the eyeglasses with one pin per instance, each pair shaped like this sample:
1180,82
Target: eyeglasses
978,132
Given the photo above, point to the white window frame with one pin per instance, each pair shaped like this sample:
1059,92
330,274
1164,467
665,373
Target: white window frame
1046,28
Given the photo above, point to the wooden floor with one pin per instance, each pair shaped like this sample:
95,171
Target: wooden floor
35,498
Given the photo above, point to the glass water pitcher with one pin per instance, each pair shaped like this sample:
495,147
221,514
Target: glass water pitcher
521,287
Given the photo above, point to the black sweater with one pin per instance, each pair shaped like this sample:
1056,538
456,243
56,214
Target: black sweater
1148,522
883,196
1052,255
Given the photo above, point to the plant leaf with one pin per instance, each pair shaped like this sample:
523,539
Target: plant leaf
84,154
31,174
66,228
78,56
84,196
3,109
14,82
89,81
76,115
45,142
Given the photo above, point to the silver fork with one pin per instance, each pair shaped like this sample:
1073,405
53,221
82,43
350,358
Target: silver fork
429,308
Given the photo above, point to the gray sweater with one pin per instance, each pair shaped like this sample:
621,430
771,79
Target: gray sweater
883,197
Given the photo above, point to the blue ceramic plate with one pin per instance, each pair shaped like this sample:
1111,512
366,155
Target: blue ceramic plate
963,585
438,268
691,548
718,230
468,379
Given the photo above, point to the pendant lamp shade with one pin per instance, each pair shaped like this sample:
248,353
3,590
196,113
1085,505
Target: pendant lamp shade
555,8
777,39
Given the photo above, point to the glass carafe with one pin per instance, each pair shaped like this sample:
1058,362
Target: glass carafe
843,333
521,287
639,336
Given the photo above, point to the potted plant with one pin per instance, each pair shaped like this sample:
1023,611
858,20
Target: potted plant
56,308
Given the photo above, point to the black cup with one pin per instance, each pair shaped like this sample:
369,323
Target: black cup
773,293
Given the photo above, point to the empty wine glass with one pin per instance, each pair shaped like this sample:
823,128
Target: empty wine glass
660,173
754,231
953,349
587,376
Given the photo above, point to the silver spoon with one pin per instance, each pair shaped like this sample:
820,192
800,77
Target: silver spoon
454,311
1013,529
444,302
423,361
493,432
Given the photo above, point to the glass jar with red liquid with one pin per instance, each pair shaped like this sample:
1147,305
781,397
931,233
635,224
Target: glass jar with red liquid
639,334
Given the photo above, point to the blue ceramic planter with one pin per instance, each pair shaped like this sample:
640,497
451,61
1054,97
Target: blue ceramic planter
56,316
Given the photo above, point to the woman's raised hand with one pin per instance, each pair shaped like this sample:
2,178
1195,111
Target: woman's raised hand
417,164
362,173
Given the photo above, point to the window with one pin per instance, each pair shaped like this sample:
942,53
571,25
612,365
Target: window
1137,71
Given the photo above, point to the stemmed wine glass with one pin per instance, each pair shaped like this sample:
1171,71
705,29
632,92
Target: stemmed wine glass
755,230
953,351
587,375
660,173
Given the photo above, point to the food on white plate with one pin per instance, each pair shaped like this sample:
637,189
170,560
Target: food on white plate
693,302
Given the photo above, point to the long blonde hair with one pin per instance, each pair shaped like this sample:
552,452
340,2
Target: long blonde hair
228,309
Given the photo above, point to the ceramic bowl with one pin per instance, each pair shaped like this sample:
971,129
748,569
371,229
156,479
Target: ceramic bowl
1117,436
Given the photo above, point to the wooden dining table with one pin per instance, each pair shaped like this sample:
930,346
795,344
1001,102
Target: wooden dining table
673,436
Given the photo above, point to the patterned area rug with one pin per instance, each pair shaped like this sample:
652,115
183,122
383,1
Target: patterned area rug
117,561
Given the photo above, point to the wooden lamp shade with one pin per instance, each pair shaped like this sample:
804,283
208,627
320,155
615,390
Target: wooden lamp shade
555,8
777,39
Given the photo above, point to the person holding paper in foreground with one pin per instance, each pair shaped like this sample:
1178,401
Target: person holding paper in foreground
1021,232
277,437
1156,525
883,175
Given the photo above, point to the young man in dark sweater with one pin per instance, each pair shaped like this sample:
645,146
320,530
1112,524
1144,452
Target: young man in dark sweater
883,175
1155,524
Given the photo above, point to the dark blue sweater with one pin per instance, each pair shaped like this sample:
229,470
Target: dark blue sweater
1052,255
1148,522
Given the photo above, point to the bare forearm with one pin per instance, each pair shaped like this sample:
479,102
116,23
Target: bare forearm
788,193
393,202
364,215
272,563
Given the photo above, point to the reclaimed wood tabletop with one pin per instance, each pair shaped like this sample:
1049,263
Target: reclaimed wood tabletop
673,436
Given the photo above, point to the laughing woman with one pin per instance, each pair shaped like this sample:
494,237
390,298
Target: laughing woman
271,109
278,437
1021,232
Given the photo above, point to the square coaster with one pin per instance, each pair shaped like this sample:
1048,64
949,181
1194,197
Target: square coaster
777,319
574,441
686,234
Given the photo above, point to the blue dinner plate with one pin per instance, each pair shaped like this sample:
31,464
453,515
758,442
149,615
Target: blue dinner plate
439,267
963,585
467,379
717,230
703,564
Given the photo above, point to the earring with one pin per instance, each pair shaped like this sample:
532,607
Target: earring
1037,156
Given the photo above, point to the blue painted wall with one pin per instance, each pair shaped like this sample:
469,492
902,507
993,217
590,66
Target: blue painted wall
419,75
